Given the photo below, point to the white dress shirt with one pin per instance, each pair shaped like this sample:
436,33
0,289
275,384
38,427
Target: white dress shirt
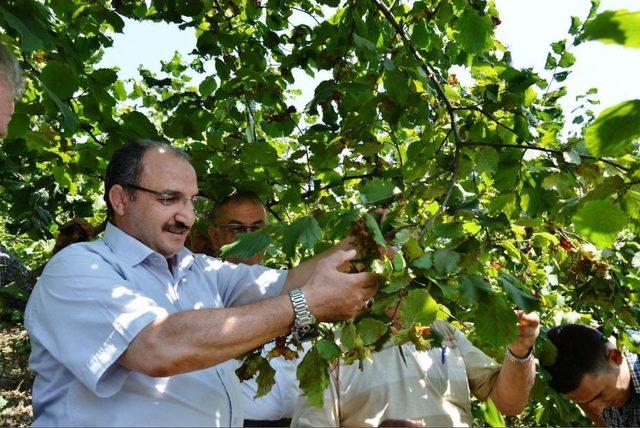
90,303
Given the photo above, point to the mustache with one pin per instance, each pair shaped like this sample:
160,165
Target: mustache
177,227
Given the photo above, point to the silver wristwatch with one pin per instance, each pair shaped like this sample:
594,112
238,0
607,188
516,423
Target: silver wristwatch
305,326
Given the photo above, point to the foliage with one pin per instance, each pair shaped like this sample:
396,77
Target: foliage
493,202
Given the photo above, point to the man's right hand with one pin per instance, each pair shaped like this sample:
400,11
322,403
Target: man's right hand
336,296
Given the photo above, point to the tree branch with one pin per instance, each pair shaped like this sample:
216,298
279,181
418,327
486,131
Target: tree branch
489,115
431,75
543,149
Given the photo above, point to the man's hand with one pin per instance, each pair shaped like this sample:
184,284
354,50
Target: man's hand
336,296
529,329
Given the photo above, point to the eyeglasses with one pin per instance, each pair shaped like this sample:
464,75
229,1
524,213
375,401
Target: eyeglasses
236,229
199,203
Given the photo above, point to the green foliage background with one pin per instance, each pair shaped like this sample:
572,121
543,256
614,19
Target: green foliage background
495,201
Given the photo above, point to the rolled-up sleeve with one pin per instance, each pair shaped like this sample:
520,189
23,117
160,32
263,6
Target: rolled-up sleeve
242,284
85,314
482,370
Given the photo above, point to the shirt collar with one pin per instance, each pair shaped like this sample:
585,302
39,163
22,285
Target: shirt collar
634,366
135,252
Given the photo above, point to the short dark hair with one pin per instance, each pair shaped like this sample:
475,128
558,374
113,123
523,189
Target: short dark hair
580,350
240,196
125,166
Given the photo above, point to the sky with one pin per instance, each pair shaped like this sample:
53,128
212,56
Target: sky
528,27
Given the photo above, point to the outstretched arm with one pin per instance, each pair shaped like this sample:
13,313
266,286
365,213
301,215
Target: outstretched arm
193,340
511,390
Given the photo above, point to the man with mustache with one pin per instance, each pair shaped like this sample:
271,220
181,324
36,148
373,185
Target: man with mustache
134,329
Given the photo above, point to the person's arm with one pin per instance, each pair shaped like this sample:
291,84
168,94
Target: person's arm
515,380
193,340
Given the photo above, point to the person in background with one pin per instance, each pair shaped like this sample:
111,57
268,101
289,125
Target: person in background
239,213
596,375
427,388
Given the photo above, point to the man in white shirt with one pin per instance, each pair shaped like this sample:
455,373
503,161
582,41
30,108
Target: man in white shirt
426,388
133,329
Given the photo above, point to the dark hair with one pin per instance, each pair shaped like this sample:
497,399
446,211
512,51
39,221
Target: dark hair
125,166
241,196
580,350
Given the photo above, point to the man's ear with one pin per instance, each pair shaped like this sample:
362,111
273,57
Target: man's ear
615,356
119,199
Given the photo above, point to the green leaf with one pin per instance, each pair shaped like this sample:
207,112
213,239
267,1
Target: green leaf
419,35
266,378
30,41
208,86
567,60
615,26
348,336
492,415
521,298
446,261
615,130
487,160
139,125
70,118
374,228
418,307
495,321
305,231
189,7
328,349
544,239
247,245
600,221
546,351
396,83
313,376
399,263
370,330
474,288
511,250
475,31
377,190
425,262
119,91
60,79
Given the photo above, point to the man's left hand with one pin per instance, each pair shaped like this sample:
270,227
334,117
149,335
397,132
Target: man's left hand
529,329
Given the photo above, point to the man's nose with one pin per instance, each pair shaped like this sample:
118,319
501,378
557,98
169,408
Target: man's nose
186,214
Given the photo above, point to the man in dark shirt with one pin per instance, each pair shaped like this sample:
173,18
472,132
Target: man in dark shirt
592,372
